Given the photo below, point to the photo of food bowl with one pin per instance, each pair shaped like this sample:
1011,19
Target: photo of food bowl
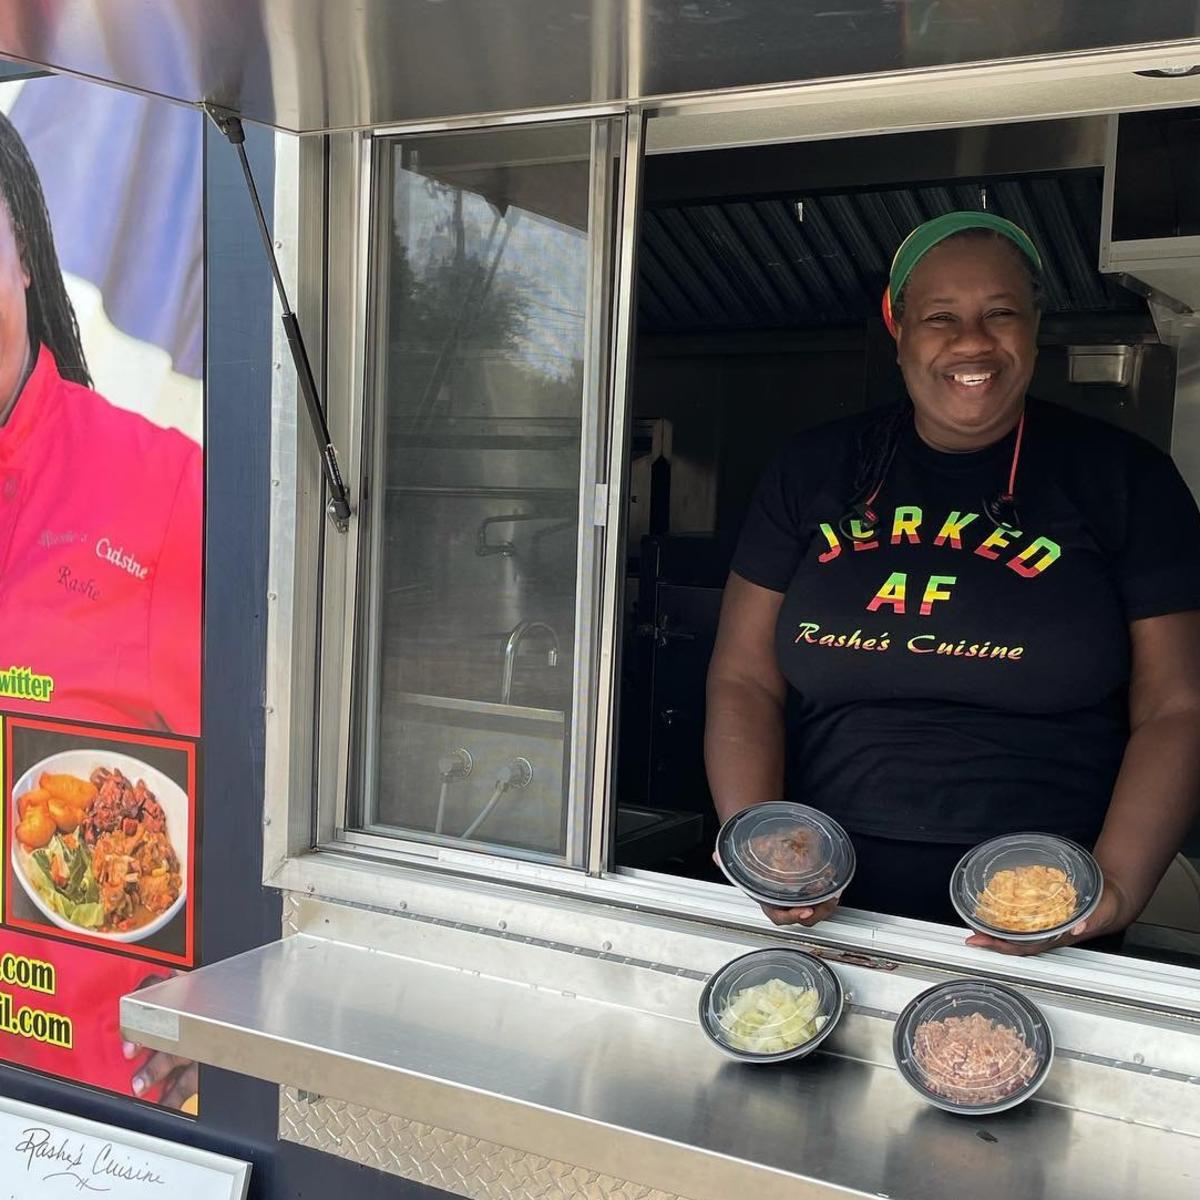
99,843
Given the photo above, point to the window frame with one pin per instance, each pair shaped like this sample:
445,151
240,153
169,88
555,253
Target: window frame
306,849
347,168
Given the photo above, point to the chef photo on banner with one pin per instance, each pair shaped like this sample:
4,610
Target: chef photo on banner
101,407
101,531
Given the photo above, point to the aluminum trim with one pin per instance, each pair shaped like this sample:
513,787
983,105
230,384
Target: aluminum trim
346,282
941,99
615,482
534,116
588,584
282,567
378,218
296,517
442,850
550,902
1052,67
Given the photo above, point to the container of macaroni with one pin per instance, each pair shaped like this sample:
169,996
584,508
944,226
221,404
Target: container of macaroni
973,1047
785,855
1026,887
771,1005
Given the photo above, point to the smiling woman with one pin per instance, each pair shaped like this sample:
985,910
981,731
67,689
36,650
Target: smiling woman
965,317
1060,695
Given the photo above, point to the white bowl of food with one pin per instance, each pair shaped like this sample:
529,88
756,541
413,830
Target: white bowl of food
100,843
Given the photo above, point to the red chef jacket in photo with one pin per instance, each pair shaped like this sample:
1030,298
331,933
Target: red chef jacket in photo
101,521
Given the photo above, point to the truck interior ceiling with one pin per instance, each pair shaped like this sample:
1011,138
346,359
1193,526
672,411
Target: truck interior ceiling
760,273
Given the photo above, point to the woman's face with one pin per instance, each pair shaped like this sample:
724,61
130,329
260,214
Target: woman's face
14,328
968,341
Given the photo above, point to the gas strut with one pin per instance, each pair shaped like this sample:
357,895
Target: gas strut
230,126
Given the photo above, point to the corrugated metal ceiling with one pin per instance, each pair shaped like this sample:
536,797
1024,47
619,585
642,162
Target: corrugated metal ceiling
756,264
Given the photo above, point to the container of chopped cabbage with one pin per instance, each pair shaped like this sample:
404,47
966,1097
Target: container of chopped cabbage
771,1005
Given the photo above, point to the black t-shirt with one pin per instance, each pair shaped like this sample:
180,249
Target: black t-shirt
954,681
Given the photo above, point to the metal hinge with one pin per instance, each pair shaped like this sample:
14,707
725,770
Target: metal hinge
600,515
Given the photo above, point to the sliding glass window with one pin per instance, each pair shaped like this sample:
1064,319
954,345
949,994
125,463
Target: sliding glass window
476,585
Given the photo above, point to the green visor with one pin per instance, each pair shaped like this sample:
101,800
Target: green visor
925,237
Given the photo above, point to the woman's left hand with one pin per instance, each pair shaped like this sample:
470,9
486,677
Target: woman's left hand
1109,917
179,1077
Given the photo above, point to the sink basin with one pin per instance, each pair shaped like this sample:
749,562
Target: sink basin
417,731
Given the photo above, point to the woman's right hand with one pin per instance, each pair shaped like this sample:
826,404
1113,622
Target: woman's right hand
801,916
795,916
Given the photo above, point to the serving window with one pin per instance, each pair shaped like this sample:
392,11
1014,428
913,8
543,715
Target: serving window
557,376
466,620
466,607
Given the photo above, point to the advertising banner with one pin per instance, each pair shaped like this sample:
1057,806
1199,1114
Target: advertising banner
101,553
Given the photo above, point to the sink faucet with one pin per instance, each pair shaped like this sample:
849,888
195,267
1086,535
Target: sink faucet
510,654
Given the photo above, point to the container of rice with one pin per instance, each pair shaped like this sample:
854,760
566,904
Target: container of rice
1026,887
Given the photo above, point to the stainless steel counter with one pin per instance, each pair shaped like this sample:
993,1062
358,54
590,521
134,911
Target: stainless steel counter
601,1064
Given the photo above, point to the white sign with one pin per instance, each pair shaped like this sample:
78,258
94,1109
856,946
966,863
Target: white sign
46,1155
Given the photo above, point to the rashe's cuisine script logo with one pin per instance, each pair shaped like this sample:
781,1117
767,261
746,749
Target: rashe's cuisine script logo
83,1164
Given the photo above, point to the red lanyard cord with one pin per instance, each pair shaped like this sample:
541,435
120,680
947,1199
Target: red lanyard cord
866,512
1016,459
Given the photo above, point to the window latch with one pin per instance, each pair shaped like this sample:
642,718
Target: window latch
230,125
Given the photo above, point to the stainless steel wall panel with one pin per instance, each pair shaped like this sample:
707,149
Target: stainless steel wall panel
307,65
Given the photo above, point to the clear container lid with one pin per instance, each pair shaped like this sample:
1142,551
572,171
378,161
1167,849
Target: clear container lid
785,854
771,1005
1026,887
973,1047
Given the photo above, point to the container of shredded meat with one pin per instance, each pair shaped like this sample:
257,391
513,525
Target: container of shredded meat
973,1047
786,855
1026,887
771,1005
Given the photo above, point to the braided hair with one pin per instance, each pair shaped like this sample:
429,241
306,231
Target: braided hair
879,439
876,447
51,318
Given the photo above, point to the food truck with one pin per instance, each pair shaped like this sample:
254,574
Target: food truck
404,371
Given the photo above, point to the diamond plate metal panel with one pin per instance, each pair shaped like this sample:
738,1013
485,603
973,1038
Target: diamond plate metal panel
291,914
464,1166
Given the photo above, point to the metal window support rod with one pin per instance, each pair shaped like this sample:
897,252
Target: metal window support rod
338,508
